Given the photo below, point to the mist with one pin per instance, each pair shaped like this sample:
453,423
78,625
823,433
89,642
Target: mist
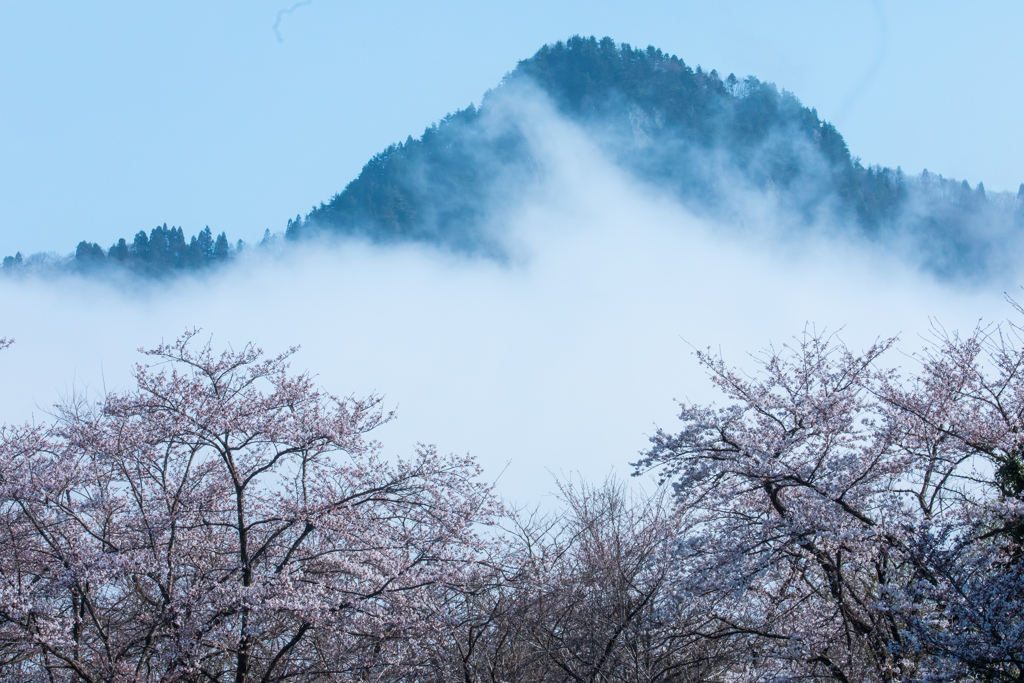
556,360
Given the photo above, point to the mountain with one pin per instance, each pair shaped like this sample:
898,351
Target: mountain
705,139
690,131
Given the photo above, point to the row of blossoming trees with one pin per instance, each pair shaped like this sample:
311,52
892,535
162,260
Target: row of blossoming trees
227,521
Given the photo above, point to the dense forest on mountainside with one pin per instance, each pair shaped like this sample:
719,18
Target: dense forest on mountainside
710,141
703,136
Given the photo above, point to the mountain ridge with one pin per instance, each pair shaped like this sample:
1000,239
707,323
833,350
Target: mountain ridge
698,135
688,119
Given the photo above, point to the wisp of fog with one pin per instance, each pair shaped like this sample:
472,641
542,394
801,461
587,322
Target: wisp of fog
557,361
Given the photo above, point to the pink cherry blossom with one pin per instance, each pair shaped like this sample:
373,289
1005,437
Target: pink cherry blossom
224,521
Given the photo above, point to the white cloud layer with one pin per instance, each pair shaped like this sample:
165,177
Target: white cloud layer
560,361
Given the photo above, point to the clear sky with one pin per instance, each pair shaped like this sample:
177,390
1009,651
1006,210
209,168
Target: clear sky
118,116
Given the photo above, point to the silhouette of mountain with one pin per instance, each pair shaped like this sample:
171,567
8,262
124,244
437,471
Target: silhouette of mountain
682,128
704,138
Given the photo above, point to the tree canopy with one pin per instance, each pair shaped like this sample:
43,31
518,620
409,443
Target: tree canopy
224,519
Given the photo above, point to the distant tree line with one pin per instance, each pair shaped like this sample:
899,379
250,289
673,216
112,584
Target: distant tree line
163,251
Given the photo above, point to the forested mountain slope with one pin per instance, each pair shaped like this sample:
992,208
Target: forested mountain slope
710,141
702,136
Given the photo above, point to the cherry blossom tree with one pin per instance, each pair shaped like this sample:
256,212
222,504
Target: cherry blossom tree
796,530
599,595
964,413
582,594
851,524
225,521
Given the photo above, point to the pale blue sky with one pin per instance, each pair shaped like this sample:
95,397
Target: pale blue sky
117,116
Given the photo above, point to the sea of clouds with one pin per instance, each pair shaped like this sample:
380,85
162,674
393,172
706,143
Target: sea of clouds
558,361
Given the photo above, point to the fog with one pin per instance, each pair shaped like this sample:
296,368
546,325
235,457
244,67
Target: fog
559,360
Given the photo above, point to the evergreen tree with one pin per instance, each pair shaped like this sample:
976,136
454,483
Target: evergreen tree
140,246
293,228
204,245
195,256
159,252
89,255
118,252
221,250
176,248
